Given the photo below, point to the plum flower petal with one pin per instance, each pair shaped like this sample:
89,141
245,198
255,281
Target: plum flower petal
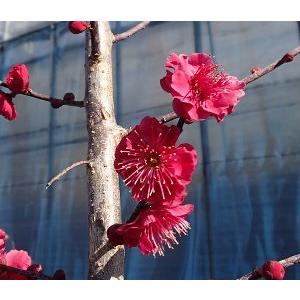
150,163
199,89
154,228
2,244
18,259
17,78
7,107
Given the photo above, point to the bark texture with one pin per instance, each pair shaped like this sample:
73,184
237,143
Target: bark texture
105,262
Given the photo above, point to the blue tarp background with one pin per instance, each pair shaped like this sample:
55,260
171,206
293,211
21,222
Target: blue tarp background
246,189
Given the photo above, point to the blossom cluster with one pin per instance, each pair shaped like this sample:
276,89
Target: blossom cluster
156,171
18,259
17,80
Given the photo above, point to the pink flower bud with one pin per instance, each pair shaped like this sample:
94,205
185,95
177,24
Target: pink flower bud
288,57
69,97
17,79
55,103
7,107
78,26
114,238
273,270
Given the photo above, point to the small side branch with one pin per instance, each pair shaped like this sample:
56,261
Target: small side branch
33,94
286,262
288,57
66,170
256,74
167,117
131,31
28,274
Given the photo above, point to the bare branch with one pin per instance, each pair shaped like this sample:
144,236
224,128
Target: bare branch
167,117
33,94
103,136
65,171
256,74
288,57
286,262
28,274
131,31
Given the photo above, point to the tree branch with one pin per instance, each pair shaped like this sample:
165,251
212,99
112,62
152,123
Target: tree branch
33,94
256,74
103,137
167,117
95,44
288,57
65,171
286,262
28,274
131,31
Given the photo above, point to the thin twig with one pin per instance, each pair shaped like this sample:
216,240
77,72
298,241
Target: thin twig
286,58
65,171
131,31
286,262
167,117
28,274
33,94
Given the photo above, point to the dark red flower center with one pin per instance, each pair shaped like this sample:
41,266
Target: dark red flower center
205,81
153,160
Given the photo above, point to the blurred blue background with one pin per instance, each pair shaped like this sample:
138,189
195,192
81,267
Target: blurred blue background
246,189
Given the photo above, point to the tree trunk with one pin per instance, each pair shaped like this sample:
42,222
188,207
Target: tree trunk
105,262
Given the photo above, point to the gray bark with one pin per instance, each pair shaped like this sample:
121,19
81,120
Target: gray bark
105,262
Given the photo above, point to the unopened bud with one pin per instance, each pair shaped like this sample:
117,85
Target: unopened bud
69,97
78,26
273,270
288,57
55,103
114,237
59,275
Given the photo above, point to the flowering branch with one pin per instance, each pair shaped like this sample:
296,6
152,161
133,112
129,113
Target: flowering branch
286,262
55,101
256,74
65,171
131,31
28,274
103,136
